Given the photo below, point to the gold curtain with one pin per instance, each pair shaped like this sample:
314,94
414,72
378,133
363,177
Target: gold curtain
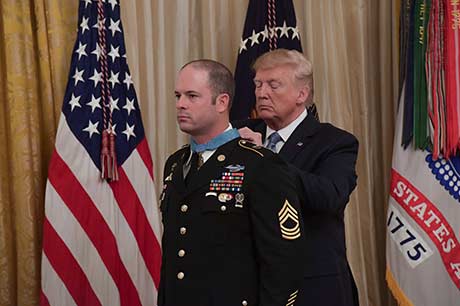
352,44
36,39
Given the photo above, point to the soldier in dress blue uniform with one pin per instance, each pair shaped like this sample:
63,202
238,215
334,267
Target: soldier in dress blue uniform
232,230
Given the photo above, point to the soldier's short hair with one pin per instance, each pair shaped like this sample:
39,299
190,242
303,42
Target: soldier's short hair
303,69
220,78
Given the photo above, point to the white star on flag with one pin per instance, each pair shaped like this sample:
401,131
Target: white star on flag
81,50
295,33
84,25
78,76
97,51
129,106
114,104
92,128
284,30
114,53
96,78
264,33
87,2
114,78
113,3
129,131
254,38
114,26
94,103
112,129
74,102
128,80
243,45
96,25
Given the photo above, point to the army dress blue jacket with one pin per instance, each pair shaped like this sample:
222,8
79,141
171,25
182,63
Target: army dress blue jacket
233,235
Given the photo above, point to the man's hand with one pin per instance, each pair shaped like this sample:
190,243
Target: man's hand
251,136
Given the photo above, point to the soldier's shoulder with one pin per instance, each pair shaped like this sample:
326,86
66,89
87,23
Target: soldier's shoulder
179,153
253,149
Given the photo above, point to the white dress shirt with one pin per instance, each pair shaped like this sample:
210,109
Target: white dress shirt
285,132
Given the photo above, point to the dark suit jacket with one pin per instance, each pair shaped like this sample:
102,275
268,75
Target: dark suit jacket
232,234
323,159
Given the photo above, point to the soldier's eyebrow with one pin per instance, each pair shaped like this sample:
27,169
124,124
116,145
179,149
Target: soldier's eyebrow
188,92
192,92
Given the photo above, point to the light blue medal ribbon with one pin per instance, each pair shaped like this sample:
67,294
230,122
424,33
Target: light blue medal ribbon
215,142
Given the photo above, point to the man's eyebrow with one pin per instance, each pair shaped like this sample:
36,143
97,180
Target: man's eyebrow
188,92
268,81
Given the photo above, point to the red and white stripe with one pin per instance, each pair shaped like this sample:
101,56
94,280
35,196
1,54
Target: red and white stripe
100,240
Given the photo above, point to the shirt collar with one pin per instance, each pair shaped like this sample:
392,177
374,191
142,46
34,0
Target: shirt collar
286,132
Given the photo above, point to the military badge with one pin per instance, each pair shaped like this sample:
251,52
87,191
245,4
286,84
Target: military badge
289,221
225,197
229,181
292,298
239,198
235,168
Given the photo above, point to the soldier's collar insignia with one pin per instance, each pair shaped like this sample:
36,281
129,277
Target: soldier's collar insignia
169,177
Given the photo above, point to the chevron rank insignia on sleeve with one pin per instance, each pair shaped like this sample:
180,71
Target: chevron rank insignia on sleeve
289,222
292,298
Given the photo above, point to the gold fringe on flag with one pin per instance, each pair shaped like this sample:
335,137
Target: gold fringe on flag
401,298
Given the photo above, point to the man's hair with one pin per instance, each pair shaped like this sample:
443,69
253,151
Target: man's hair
303,69
220,78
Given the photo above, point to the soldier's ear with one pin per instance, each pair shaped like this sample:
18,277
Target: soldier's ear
222,102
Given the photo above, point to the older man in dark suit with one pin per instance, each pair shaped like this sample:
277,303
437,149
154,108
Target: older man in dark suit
323,159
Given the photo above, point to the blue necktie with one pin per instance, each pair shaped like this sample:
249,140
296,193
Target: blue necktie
273,139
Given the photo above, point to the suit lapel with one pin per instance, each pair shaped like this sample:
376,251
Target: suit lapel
299,138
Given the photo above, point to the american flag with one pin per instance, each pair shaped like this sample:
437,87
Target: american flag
269,25
100,237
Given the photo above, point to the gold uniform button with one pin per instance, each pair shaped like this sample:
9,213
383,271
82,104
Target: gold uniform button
244,303
223,208
184,208
181,253
183,230
180,275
